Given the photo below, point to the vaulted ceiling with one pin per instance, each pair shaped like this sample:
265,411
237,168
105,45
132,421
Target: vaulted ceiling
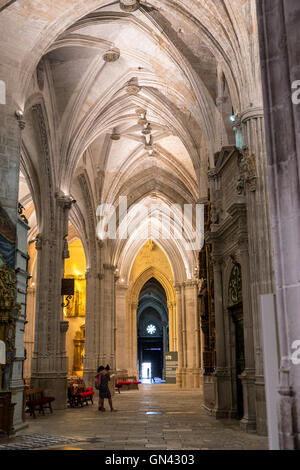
136,101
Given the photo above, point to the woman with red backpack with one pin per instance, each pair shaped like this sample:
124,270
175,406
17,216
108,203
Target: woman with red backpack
101,383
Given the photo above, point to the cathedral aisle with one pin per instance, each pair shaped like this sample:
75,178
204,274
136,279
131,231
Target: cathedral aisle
156,417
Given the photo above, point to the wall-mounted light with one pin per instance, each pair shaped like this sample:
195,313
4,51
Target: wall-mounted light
232,116
19,114
20,118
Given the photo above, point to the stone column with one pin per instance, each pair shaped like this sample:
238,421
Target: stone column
92,326
280,71
132,339
49,363
248,423
192,327
253,169
107,348
121,343
180,335
29,330
223,381
172,327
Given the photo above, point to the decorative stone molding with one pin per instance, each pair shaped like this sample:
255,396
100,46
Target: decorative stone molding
214,216
111,55
247,166
250,113
38,242
212,174
37,111
64,326
64,201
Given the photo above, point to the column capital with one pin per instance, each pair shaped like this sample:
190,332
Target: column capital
212,174
64,201
191,283
178,286
121,286
250,113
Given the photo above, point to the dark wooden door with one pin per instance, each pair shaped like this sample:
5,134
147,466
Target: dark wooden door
237,314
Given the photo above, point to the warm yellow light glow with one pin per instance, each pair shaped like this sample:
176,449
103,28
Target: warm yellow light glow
151,255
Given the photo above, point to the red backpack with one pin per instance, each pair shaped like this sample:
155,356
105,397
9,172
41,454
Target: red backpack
98,382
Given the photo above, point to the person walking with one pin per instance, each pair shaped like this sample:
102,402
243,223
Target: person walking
101,382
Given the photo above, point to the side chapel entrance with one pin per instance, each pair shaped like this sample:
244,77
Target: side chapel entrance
236,312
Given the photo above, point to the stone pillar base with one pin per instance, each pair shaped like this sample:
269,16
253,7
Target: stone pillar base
261,410
224,406
189,378
209,391
248,425
52,386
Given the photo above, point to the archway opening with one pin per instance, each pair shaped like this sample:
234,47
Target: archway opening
152,331
74,310
152,313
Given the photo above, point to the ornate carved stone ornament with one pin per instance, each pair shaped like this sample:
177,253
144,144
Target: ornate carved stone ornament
9,309
38,242
240,187
214,216
129,5
111,55
21,209
212,174
235,295
133,87
248,172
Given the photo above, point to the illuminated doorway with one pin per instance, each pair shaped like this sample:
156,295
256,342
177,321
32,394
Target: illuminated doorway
152,331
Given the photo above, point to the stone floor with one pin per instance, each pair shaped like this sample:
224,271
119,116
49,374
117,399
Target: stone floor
155,417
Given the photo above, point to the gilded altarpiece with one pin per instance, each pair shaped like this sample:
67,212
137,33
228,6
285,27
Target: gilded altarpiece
76,305
74,312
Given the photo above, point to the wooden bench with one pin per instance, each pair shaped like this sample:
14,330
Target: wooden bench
78,394
127,383
35,400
